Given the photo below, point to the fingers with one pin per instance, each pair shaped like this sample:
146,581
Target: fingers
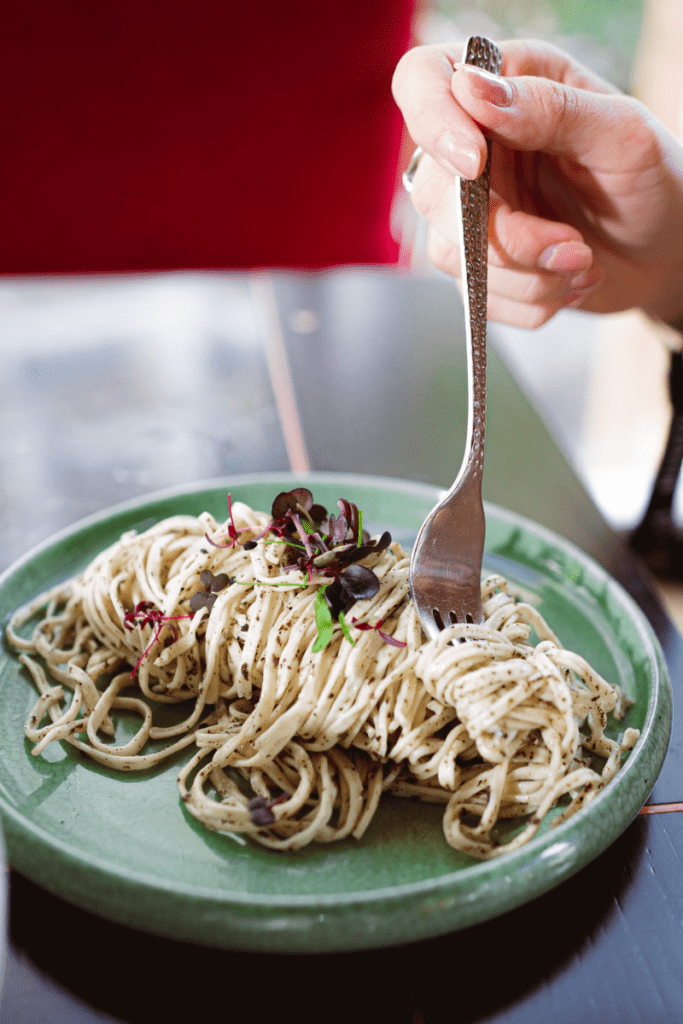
422,89
606,132
523,298
436,197
437,119
536,266
521,240
517,239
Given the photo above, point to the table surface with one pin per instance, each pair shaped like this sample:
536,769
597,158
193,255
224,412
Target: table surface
115,387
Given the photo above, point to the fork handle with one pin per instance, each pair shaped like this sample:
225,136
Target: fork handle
474,204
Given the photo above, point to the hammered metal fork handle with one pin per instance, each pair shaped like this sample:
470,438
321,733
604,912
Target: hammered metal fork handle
474,204
445,568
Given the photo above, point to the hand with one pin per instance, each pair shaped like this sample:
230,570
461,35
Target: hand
586,186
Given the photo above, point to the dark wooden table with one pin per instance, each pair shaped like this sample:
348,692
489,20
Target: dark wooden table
116,387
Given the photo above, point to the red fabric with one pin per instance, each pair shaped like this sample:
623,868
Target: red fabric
150,135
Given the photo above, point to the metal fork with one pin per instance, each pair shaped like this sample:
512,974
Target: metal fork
445,568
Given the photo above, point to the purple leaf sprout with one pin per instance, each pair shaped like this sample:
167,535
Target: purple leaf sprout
260,807
212,585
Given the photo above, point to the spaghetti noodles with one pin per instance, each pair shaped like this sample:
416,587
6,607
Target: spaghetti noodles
296,740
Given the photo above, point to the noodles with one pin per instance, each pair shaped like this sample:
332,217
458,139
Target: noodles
295,665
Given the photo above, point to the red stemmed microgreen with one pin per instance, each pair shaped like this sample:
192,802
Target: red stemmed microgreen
385,636
144,614
233,532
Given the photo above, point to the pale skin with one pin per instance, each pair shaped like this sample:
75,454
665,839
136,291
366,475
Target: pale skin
586,186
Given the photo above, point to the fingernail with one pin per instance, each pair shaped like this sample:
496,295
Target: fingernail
564,256
460,157
485,86
575,296
585,280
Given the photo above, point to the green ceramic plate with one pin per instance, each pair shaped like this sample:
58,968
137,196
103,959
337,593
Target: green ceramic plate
125,848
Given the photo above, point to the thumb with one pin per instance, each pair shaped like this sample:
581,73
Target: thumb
605,131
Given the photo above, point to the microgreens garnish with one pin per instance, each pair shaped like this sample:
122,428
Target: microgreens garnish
144,614
329,547
323,621
354,583
233,532
260,807
212,585
385,636
345,629
322,547
317,545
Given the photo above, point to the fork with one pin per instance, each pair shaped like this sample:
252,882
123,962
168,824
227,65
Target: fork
445,567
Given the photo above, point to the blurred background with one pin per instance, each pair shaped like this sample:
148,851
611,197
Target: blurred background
176,140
